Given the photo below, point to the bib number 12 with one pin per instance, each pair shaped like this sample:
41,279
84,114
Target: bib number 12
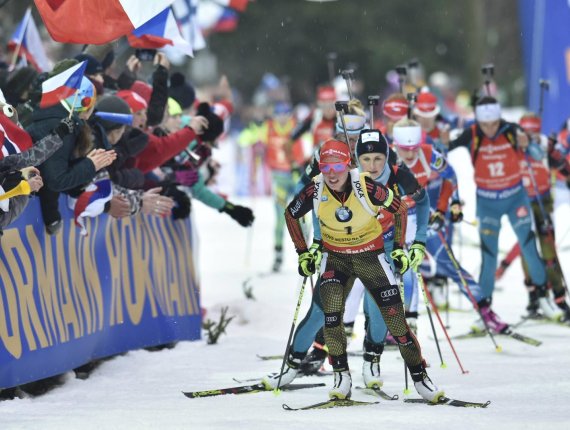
496,169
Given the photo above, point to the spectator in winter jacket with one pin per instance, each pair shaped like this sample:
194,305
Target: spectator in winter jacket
128,196
75,163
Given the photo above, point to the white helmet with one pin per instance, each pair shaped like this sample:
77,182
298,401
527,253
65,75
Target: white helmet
407,136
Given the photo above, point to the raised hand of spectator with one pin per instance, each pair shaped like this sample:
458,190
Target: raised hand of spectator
101,158
161,59
155,204
199,124
134,64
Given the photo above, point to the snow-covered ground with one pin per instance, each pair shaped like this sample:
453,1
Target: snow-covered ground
529,387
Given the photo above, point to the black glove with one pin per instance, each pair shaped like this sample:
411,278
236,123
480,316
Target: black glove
215,123
67,126
244,216
568,181
456,211
437,220
183,204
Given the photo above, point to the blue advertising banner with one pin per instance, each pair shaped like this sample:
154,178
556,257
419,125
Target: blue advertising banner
68,299
545,26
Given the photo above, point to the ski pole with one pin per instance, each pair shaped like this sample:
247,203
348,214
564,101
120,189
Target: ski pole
407,391
498,348
342,109
411,102
372,103
430,298
423,288
402,72
413,66
331,58
507,261
299,301
545,220
347,76
488,70
473,223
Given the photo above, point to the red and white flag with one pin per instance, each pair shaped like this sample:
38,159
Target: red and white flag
96,22
62,86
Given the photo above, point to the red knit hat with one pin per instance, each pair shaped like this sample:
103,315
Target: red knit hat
326,94
135,101
334,149
142,89
395,107
530,123
426,105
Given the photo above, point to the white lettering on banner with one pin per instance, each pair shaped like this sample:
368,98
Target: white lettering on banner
358,187
331,319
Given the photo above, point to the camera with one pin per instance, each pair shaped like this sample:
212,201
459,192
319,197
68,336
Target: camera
145,54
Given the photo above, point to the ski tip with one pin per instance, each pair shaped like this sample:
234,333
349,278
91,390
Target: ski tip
287,407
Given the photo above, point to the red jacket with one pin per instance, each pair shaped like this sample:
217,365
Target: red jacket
161,149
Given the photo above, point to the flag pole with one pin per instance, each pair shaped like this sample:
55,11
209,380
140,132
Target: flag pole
73,104
19,45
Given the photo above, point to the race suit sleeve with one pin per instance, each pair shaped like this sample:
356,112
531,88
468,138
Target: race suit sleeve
409,186
383,197
301,204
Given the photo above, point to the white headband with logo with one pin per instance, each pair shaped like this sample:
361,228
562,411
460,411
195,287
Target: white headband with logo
488,112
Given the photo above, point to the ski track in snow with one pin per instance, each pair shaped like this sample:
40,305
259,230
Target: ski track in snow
528,386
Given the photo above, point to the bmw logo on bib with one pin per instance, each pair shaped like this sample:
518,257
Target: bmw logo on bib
343,214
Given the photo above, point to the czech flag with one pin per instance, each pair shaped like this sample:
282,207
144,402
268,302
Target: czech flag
160,31
26,42
62,86
13,139
91,202
96,22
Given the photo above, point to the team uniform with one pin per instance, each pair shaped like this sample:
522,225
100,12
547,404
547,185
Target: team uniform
498,178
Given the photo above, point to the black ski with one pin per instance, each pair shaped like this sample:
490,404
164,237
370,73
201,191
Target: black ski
320,373
522,338
335,403
450,402
246,389
509,333
280,357
540,319
378,392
